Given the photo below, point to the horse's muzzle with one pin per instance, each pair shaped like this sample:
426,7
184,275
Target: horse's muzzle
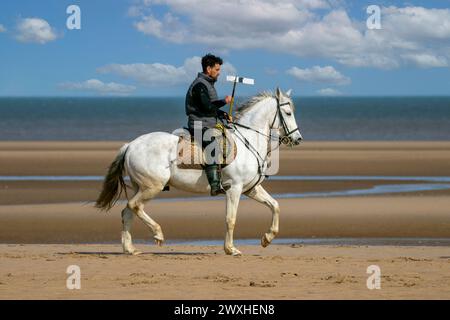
298,140
290,141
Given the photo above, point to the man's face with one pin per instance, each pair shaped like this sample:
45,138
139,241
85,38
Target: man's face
213,72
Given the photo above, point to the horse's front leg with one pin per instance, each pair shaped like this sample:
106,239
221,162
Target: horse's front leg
259,194
233,196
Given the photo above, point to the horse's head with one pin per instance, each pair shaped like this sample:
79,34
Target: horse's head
289,131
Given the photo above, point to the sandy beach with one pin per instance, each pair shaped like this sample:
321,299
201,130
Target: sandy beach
47,225
203,272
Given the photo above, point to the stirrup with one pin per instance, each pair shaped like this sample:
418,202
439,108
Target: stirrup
222,189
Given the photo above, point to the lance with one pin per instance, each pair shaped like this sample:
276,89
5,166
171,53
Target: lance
235,80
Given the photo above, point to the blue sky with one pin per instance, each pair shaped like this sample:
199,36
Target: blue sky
152,48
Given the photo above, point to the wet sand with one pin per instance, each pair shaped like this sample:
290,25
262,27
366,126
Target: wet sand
62,211
405,216
60,215
310,158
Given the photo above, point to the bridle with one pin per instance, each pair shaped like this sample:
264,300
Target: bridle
285,139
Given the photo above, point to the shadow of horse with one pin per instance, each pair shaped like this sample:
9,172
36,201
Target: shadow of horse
170,253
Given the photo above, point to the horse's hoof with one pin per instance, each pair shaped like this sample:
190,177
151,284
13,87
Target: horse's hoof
265,241
233,252
158,241
236,253
133,253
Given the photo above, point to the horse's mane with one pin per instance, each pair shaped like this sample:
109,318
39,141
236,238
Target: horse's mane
247,105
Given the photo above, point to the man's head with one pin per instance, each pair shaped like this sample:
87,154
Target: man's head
211,66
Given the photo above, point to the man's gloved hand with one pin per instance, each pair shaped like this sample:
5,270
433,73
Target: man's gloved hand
225,116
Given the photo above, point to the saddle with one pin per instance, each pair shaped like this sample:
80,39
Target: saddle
191,156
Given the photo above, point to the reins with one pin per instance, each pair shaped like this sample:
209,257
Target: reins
285,139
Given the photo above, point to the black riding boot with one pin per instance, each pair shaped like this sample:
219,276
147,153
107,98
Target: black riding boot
213,175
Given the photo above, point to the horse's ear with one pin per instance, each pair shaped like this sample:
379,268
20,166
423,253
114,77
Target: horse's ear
278,92
288,93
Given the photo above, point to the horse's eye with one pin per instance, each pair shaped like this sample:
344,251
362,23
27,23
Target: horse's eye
288,114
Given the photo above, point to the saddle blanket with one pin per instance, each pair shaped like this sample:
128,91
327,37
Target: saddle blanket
191,156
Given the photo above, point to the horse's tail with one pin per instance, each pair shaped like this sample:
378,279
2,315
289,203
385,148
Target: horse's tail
114,184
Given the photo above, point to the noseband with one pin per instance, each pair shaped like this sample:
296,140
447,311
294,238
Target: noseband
286,139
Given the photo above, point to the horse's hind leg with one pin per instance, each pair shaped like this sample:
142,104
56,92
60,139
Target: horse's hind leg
137,205
260,194
127,220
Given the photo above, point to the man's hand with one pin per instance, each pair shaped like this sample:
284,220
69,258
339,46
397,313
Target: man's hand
228,99
225,116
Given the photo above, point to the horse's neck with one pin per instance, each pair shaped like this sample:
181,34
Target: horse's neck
259,118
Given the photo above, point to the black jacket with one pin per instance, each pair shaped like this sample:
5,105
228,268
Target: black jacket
202,103
207,106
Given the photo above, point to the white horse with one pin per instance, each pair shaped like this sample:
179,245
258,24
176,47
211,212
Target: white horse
150,162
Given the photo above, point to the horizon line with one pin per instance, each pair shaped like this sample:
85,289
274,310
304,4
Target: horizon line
244,96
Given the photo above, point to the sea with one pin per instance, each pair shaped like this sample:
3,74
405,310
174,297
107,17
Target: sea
125,118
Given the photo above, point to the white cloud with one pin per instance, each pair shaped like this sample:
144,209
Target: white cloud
329,92
158,74
35,30
95,85
409,35
306,28
134,11
425,60
2,28
414,23
229,24
313,4
319,74
169,28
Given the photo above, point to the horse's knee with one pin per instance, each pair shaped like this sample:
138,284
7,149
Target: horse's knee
230,223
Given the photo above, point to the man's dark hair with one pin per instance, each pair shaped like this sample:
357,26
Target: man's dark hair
210,61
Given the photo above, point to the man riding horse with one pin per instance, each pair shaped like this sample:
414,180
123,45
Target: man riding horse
203,111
